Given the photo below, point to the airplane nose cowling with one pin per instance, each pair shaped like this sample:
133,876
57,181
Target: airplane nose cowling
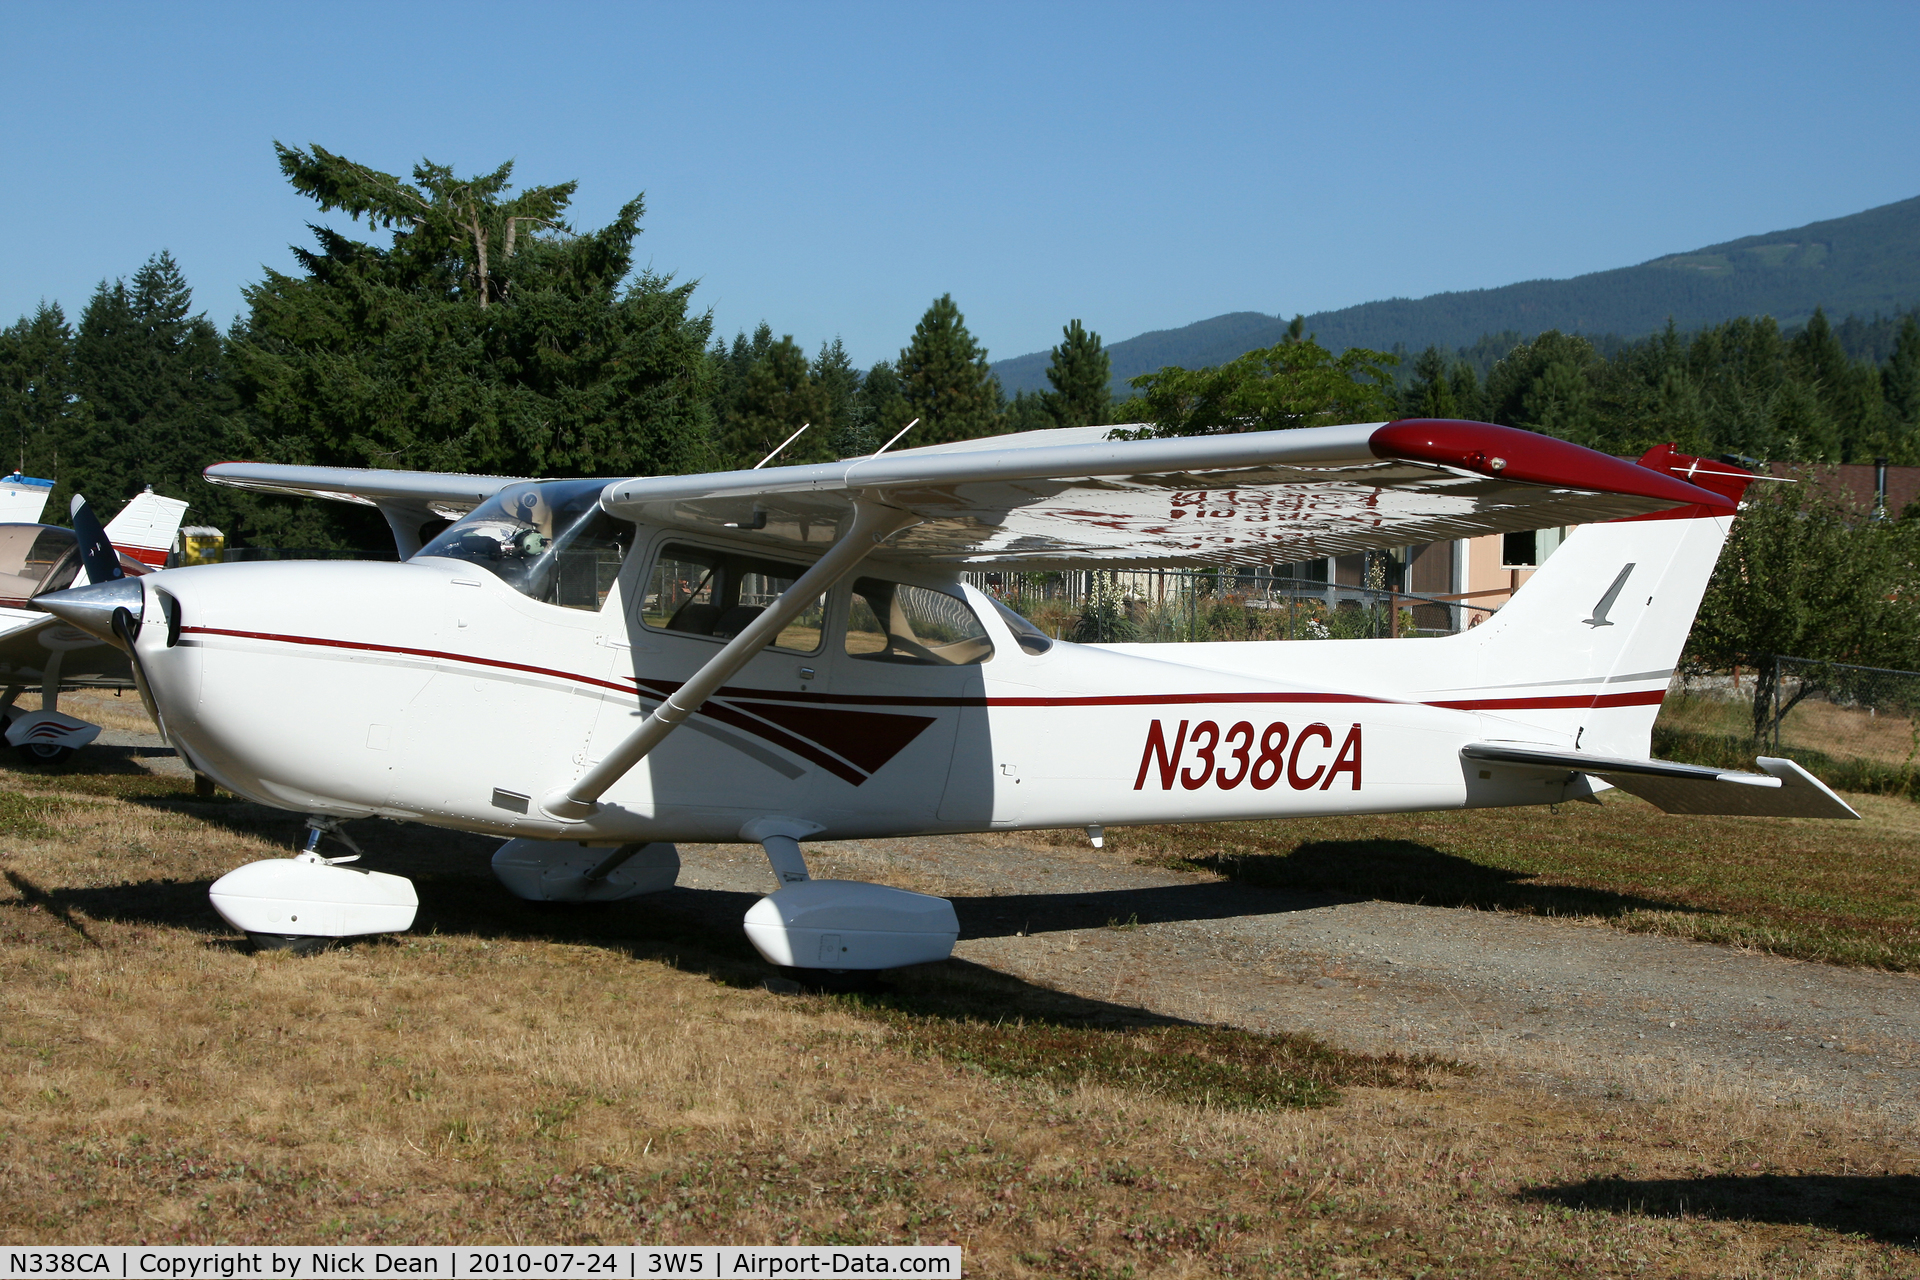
91,608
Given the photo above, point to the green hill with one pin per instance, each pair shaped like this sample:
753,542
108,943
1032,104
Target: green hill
1862,264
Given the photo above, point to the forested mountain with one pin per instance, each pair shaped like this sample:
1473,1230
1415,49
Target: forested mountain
1863,264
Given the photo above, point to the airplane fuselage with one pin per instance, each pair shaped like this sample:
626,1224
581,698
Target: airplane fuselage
435,691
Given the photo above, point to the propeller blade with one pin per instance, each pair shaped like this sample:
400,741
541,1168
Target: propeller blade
96,552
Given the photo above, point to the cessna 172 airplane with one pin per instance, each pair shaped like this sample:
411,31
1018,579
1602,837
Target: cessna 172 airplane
36,649
597,669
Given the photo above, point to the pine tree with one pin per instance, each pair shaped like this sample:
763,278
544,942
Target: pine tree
839,383
1849,394
1031,411
36,389
1463,385
150,378
878,413
945,380
1431,393
1291,384
1900,389
1543,386
1082,377
487,335
777,397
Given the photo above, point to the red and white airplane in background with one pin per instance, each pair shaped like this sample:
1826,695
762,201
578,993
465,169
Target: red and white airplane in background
35,649
595,669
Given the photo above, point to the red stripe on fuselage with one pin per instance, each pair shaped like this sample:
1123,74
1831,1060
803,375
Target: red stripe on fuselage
660,688
1647,698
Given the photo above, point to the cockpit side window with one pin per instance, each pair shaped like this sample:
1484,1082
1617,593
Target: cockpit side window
547,539
895,622
703,592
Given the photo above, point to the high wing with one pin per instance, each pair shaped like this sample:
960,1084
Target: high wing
1071,496
408,499
1785,790
28,639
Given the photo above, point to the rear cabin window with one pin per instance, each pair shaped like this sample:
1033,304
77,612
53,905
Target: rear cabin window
894,622
702,592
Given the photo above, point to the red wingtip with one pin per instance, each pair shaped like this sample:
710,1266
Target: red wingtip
1512,454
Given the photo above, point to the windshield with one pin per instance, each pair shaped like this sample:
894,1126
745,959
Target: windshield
35,558
547,539
1031,638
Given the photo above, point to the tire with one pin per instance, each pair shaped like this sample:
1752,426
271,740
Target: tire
301,944
835,981
42,753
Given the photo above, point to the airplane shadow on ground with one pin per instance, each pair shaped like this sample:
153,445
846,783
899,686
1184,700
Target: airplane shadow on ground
1421,875
1314,875
1883,1207
694,929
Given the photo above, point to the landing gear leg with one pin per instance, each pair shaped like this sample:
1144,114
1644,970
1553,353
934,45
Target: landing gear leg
823,930
318,828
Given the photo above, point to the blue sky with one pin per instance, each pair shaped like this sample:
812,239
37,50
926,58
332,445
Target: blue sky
833,167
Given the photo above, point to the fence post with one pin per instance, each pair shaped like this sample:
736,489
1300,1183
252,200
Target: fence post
1774,710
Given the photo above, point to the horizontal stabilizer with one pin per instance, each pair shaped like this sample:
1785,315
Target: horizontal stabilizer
1785,790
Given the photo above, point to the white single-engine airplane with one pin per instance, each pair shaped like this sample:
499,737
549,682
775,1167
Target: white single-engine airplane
596,669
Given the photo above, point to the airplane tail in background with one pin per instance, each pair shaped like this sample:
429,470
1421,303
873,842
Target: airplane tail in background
146,526
23,498
1588,644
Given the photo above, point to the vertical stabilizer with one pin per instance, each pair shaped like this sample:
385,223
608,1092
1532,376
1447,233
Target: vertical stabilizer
1586,648
23,498
146,526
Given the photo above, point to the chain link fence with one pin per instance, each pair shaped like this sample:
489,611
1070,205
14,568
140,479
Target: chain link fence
1844,712
1148,606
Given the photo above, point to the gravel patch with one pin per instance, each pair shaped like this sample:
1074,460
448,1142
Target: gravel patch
1576,1005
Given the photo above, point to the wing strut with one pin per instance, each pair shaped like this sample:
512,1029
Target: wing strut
872,523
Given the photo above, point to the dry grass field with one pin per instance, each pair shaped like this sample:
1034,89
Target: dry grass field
506,1073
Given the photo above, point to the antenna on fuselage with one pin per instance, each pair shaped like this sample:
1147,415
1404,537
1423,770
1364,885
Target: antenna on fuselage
783,444
896,439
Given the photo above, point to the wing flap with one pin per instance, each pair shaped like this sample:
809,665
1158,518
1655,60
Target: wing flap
1784,790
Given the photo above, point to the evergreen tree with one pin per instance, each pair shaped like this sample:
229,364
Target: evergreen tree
880,412
1430,395
1031,411
1292,384
1082,378
1853,414
36,390
486,336
1543,386
1464,384
1900,390
945,380
152,378
776,398
839,384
